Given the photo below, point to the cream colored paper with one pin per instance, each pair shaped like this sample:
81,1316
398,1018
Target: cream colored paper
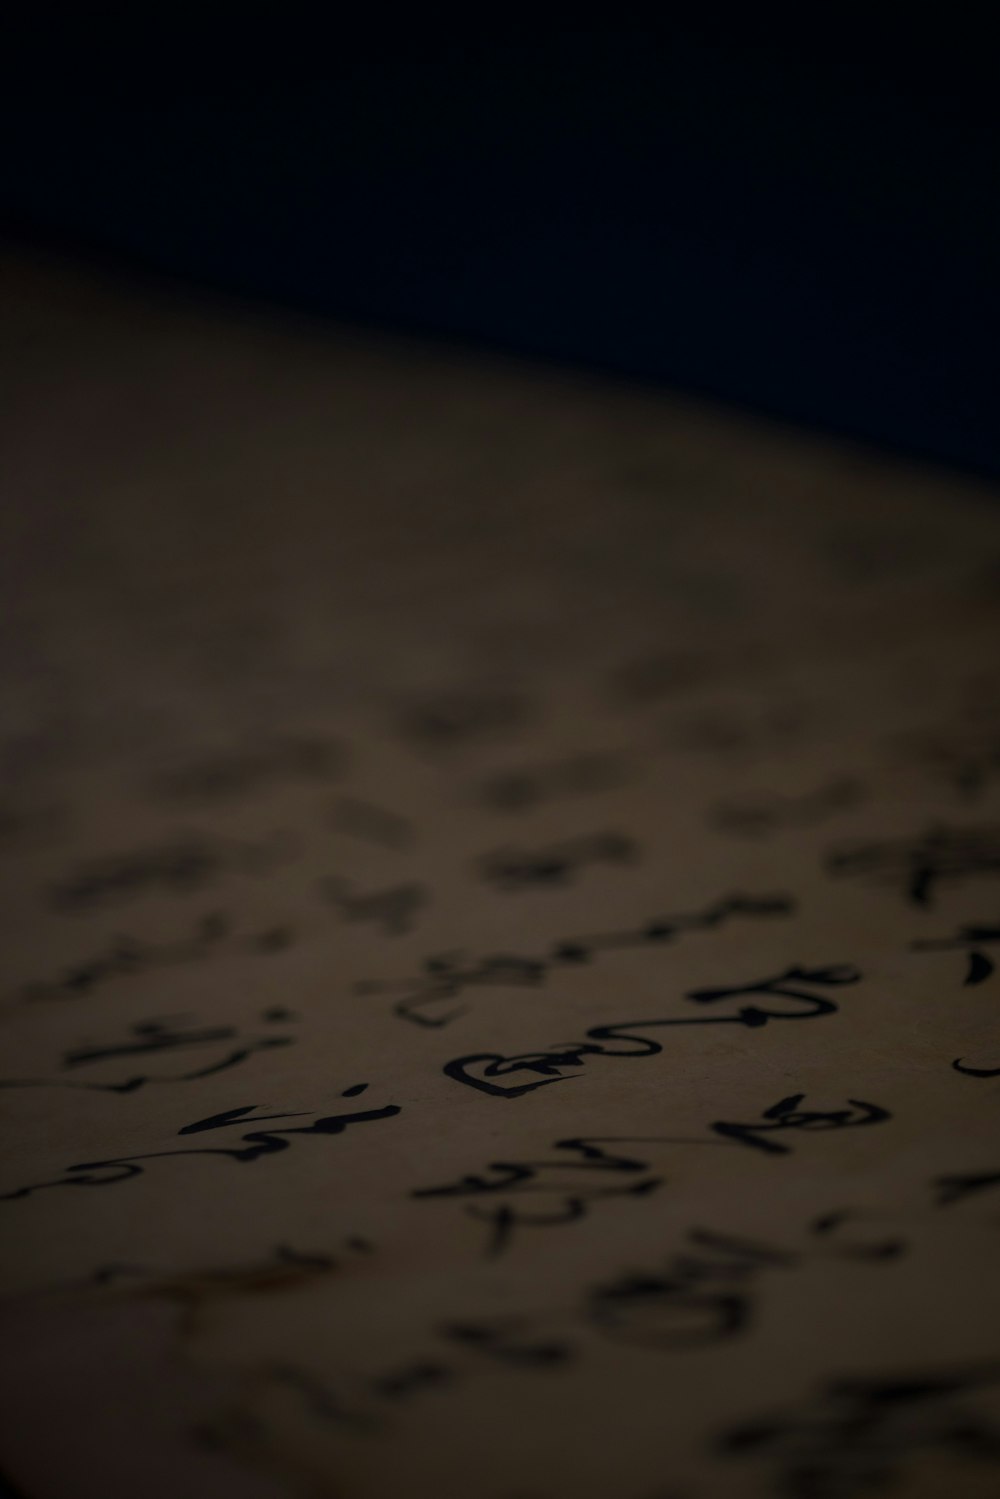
369,709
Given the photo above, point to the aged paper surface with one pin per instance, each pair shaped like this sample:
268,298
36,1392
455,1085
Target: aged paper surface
501,896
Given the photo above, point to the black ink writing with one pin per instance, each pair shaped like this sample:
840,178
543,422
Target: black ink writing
154,1038
855,1434
704,1293
576,1178
940,856
787,1115
970,940
484,1070
127,957
952,1189
179,868
256,1144
447,975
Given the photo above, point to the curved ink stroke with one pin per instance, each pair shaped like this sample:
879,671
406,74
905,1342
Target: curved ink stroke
575,1206
547,1065
960,1066
588,1147
641,1309
446,980
141,1080
258,1143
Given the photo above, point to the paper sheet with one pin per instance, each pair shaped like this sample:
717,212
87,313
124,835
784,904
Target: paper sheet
501,905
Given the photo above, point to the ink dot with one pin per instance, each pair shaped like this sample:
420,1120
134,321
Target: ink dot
571,952
353,1092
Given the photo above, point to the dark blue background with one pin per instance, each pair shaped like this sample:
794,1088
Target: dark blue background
802,218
